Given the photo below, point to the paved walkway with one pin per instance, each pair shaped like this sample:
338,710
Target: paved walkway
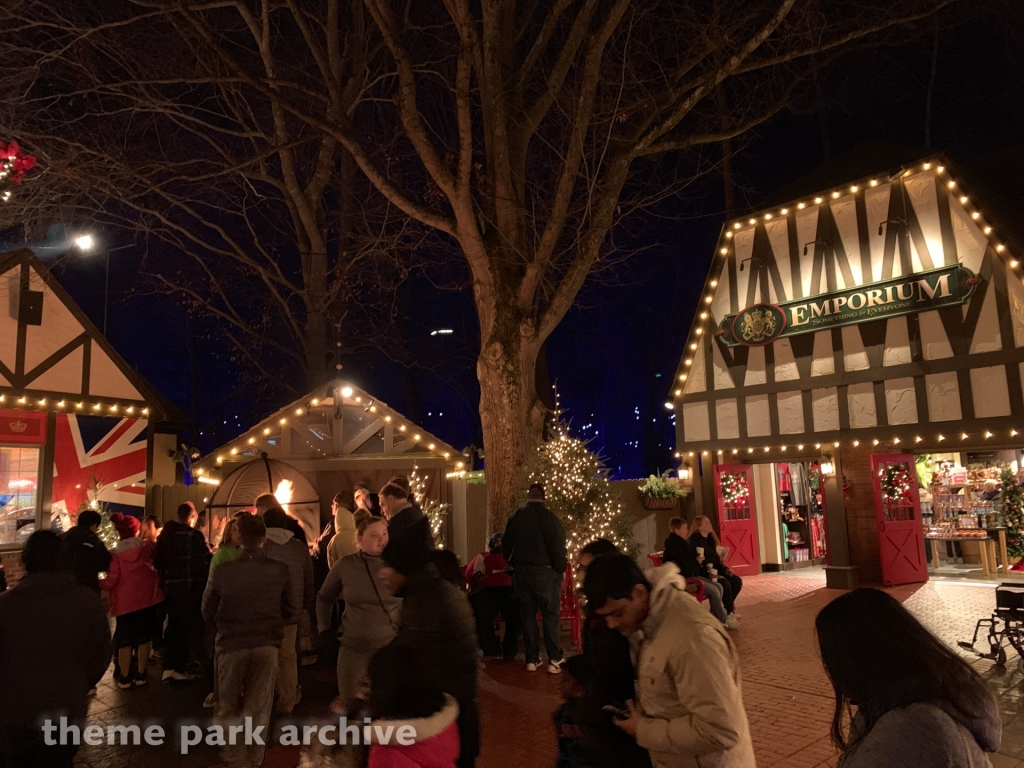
787,695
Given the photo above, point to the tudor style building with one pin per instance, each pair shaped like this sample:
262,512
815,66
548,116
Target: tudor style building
848,330
77,424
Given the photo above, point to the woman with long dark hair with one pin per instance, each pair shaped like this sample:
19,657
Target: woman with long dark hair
917,702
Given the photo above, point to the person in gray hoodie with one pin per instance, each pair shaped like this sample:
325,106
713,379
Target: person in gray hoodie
282,545
917,702
370,620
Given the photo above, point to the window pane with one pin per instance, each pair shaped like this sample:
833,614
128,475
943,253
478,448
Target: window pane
19,494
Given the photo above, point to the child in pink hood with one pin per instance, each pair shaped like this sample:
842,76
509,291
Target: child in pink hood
413,719
134,588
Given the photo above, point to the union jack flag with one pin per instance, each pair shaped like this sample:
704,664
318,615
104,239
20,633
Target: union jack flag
91,451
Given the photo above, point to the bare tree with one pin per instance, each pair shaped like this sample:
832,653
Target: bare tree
251,216
520,131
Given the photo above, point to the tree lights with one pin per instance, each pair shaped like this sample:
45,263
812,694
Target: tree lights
577,490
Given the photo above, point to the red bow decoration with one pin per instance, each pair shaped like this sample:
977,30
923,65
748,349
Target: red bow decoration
13,163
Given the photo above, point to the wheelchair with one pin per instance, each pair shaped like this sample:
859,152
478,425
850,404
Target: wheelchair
1004,626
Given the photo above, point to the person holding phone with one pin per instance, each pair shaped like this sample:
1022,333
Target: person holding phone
689,702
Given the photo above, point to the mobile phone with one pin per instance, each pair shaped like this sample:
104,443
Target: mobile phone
617,712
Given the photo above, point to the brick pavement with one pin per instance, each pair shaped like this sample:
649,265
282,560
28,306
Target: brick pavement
787,696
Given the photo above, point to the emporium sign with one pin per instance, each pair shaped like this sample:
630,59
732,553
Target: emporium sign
762,324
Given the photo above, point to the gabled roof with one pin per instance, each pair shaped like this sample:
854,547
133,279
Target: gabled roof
309,428
51,355
854,232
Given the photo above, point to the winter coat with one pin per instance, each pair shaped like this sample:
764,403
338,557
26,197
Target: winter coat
181,557
436,742
488,570
534,536
371,613
403,523
249,601
927,734
688,683
679,551
86,556
54,646
711,556
344,541
282,545
437,619
132,580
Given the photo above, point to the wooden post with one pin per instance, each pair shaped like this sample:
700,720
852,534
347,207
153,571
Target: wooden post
839,573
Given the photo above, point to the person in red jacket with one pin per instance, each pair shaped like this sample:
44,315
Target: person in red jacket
134,588
414,721
491,593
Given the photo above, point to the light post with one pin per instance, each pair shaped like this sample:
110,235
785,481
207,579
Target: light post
86,243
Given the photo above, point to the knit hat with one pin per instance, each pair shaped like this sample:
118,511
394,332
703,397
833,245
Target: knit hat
125,525
407,550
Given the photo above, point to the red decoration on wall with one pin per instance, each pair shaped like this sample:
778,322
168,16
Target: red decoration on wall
22,427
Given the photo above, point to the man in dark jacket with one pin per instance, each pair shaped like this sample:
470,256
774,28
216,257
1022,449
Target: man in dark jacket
249,601
679,551
61,625
437,620
267,501
282,545
402,515
87,555
182,559
534,546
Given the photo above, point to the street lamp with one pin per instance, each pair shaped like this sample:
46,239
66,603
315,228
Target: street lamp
86,243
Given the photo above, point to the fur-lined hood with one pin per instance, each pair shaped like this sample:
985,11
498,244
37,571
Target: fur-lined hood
424,727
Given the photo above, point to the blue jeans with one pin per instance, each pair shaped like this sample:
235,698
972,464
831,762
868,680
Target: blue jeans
539,588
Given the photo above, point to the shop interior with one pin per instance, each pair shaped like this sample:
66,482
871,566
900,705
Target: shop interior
791,510
960,499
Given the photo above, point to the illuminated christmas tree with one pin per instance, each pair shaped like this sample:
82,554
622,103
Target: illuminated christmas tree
1012,510
435,511
576,486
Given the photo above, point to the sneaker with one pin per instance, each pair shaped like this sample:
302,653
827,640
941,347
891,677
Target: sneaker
173,674
140,679
730,622
532,666
555,667
210,701
124,682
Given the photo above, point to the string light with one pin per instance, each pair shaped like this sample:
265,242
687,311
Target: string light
874,182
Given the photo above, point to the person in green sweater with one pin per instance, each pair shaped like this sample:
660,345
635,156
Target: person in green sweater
229,548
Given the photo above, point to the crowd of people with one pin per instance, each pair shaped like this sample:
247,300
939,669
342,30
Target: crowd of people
657,682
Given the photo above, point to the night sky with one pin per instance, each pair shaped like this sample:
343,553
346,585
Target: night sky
614,356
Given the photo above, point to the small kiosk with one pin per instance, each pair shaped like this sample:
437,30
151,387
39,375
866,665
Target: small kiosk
336,436
845,338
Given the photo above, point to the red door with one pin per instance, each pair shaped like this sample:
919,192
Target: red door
898,511
737,517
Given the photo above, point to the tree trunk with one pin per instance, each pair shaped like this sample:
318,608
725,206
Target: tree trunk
512,418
